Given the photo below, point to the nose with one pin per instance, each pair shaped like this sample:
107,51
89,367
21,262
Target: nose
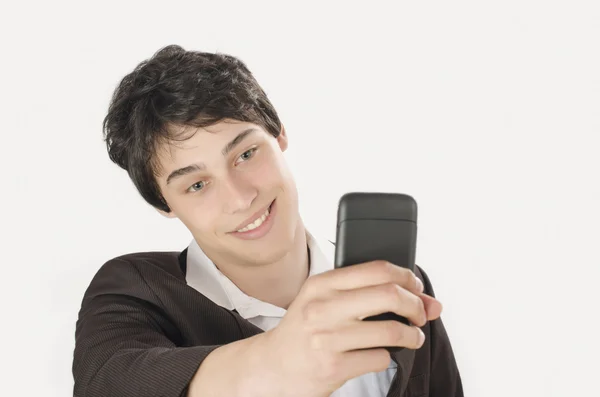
236,195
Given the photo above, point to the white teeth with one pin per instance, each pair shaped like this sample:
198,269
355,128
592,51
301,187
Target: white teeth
256,223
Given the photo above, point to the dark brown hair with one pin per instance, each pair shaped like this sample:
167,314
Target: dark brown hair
178,88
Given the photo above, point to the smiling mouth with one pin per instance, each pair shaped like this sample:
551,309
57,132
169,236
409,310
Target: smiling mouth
257,222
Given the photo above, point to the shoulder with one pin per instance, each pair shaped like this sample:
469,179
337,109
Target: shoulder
134,273
151,261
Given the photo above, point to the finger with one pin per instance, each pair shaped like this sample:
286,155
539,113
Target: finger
432,306
372,334
356,304
360,362
364,275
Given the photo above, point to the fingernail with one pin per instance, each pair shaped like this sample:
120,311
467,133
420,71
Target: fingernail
420,286
421,337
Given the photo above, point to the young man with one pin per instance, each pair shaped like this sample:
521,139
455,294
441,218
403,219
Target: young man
253,306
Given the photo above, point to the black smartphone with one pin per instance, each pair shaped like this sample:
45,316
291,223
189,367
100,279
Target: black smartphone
377,226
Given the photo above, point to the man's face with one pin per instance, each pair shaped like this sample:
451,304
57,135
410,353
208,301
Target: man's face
231,187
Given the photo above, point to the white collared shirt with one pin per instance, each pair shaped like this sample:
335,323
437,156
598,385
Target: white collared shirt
203,275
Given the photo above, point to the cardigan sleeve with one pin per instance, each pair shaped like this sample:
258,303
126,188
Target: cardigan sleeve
122,343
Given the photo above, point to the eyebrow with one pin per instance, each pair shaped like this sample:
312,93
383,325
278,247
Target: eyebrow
201,166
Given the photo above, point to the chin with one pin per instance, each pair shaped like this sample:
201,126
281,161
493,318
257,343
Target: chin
270,249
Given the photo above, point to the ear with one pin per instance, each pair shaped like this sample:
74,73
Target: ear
166,214
282,139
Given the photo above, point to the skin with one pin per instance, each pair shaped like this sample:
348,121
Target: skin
322,328
214,201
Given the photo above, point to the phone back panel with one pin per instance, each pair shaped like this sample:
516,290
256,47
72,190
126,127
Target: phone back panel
360,241
377,226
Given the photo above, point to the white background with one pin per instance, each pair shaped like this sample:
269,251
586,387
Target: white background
488,113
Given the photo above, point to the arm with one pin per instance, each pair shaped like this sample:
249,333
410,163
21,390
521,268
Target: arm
124,345
121,350
445,380
231,370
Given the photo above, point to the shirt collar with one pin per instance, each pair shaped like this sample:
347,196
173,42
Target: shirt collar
203,275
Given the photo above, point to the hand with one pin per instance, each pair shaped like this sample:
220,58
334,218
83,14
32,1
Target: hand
321,342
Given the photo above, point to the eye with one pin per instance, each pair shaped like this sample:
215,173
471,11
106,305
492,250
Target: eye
197,186
247,155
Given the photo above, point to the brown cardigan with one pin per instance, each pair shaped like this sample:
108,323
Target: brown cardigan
142,331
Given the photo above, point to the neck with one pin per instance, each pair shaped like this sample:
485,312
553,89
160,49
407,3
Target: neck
277,283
